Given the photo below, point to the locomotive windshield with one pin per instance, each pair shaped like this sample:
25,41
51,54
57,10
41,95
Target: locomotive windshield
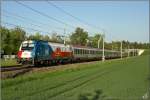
27,46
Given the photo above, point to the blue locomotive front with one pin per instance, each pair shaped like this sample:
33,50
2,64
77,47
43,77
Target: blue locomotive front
34,52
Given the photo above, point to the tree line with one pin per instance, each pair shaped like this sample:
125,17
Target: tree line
12,38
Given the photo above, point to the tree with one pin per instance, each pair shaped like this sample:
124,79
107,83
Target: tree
46,38
56,38
97,38
11,39
79,37
5,37
37,36
17,35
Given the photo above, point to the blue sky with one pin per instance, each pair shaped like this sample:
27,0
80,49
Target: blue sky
121,20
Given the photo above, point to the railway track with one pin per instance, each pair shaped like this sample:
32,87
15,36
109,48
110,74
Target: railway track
21,67
14,68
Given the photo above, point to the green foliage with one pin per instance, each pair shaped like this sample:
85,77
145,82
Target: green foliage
94,41
37,36
79,37
56,38
11,39
98,95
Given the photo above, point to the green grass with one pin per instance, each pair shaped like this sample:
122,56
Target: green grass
146,52
8,62
122,79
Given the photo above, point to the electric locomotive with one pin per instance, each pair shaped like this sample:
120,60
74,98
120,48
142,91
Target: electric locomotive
43,52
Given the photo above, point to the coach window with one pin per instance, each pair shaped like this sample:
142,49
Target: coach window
83,51
96,52
86,51
78,51
75,51
90,51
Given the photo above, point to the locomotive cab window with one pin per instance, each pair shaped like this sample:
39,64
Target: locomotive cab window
27,46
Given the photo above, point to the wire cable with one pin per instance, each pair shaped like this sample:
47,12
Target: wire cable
43,14
10,24
31,20
67,13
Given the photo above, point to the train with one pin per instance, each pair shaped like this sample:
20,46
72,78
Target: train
38,52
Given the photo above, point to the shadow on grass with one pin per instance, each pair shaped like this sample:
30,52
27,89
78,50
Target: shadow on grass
98,95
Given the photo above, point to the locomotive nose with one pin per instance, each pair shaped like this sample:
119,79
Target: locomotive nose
25,57
26,54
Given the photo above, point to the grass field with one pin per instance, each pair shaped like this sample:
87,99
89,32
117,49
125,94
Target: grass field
146,52
8,62
114,80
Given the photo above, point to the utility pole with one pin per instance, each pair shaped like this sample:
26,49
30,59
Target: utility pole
99,41
103,57
128,51
133,51
112,46
121,49
64,36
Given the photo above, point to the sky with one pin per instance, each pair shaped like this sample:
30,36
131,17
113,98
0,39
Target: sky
119,20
